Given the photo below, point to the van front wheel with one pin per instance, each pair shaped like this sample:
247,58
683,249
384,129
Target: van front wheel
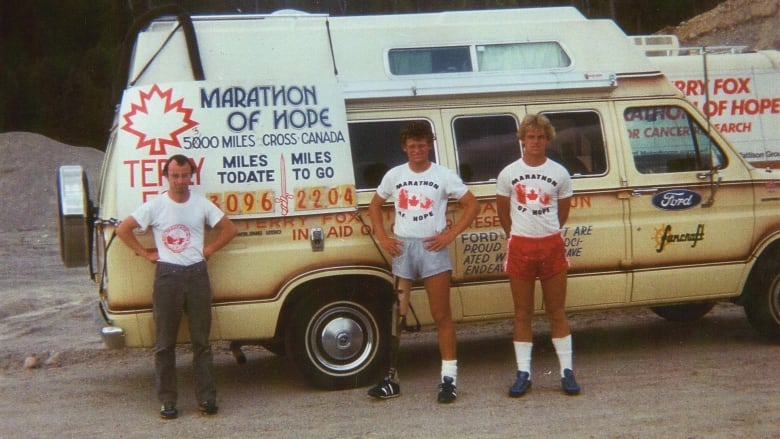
337,343
762,297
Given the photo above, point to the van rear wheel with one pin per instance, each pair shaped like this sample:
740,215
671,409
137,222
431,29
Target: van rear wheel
337,342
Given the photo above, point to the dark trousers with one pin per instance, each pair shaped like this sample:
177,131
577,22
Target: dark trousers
182,290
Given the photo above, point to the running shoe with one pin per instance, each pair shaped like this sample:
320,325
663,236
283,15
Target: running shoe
569,384
521,385
386,389
447,391
208,407
169,410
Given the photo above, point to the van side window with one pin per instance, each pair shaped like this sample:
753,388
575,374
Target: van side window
485,144
579,142
503,57
376,147
666,139
419,61
521,56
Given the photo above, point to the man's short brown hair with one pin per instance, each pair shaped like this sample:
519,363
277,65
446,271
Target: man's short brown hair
417,130
180,160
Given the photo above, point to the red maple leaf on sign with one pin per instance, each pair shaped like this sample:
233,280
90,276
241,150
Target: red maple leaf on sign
157,120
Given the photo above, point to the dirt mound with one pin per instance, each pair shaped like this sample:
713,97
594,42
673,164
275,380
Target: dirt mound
733,23
28,178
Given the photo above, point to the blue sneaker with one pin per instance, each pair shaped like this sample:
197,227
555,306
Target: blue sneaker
447,391
569,384
521,385
386,389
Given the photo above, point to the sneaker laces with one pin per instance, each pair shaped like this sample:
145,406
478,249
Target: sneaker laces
447,385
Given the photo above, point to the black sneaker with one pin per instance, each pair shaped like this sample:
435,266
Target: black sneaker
386,389
521,385
447,391
569,384
169,410
208,407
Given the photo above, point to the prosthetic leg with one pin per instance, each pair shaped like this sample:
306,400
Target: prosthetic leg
389,387
398,321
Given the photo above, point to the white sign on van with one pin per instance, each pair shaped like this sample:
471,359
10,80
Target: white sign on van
744,106
261,150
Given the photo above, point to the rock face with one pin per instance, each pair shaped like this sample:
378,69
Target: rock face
28,169
733,23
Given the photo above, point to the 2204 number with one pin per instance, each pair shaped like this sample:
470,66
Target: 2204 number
319,197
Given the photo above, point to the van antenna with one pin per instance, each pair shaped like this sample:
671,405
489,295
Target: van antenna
706,88
714,182
330,43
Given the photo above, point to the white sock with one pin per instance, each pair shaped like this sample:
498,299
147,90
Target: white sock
523,355
564,351
449,368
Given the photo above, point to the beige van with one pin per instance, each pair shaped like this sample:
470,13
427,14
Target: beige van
293,118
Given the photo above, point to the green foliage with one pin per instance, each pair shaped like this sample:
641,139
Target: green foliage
59,57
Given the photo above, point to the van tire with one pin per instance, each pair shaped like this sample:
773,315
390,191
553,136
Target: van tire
275,347
338,341
686,312
761,297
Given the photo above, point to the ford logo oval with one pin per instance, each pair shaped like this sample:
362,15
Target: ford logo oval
676,199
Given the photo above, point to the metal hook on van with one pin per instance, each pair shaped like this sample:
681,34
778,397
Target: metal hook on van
715,179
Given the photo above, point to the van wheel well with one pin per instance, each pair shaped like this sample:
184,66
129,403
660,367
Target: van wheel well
336,331
376,287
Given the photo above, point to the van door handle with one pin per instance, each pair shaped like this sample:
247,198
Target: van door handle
317,239
640,192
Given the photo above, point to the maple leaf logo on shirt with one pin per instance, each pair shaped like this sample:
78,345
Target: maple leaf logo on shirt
530,195
157,120
407,200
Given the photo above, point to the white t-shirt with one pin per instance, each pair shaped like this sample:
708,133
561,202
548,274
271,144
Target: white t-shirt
534,193
178,228
420,198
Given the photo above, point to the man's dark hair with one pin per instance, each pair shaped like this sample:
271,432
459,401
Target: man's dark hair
180,160
417,130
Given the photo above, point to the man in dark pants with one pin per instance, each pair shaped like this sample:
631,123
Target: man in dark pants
181,284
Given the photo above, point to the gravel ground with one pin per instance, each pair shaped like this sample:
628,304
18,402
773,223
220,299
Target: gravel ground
641,376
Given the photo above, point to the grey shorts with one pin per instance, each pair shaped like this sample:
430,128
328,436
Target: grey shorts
417,262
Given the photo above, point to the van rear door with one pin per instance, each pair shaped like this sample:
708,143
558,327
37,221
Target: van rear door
595,235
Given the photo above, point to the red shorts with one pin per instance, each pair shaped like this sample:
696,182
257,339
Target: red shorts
530,258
